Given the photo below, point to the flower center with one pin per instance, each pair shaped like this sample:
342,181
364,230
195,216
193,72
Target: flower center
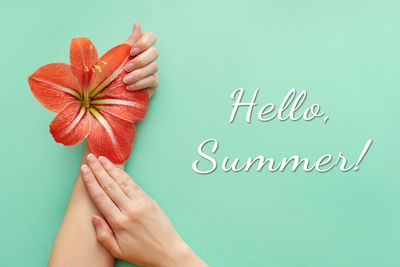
86,102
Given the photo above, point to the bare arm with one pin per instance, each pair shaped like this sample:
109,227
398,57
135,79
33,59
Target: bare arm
76,243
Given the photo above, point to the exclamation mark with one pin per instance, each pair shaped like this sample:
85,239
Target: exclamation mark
363,152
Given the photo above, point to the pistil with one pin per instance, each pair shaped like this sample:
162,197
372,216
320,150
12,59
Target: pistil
85,100
86,77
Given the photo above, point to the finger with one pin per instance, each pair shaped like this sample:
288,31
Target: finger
145,42
142,60
150,91
96,193
105,236
149,81
109,186
135,35
139,74
125,182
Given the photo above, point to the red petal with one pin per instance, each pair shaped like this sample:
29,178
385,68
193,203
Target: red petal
82,55
54,86
111,136
115,99
109,66
72,125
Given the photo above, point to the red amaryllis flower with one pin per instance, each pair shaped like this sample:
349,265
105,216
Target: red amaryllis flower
91,99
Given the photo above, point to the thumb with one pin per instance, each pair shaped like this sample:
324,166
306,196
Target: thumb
135,35
105,236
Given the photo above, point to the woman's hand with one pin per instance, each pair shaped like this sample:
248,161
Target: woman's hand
135,228
142,68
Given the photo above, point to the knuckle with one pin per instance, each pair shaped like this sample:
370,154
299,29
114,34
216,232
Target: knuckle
154,51
151,91
123,175
109,187
124,183
154,81
141,207
151,80
134,213
148,204
153,35
155,66
135,188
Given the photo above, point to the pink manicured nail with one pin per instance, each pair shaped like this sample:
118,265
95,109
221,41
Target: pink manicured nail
129,67
91,158
96,221
104,161
85,169
135,51
131,87
128,79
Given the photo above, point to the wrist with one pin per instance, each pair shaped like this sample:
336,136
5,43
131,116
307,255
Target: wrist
181,255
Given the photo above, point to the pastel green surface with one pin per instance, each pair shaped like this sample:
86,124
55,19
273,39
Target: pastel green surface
344,53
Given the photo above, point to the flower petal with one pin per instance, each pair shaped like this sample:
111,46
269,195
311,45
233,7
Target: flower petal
116,100
82,55
54,86
111,136
109,66
72,125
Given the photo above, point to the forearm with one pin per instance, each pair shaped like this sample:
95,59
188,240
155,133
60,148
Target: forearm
76,243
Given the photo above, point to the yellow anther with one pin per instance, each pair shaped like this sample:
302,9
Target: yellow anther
98,68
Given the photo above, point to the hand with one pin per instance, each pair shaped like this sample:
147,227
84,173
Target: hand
142,68
135,228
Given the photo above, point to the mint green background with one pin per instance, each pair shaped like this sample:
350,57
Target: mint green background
345,53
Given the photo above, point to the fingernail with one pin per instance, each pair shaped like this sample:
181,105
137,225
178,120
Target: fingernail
135,51
85,169
131,87
128,79
104,161
96,221
129,67
91,158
